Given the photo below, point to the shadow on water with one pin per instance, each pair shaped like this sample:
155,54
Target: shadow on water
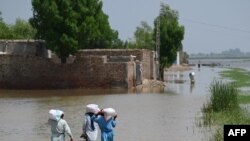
149,115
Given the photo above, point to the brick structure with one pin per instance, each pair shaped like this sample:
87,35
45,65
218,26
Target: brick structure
146,57
108,68
24,47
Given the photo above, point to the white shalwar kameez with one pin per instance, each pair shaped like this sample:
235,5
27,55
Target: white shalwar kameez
91,133
59,129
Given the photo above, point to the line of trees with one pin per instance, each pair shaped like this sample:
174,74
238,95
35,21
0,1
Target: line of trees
20,30
70,25
230,53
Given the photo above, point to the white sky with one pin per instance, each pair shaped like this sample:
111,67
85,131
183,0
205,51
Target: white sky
210,25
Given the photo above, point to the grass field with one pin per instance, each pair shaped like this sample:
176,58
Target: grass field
224,105
241,77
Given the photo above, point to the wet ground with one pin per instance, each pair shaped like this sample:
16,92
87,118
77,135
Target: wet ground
152,116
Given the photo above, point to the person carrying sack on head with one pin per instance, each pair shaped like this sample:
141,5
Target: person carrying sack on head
106,121
59,127
90,128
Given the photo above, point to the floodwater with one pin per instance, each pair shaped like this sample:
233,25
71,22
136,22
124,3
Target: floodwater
226,63
170,114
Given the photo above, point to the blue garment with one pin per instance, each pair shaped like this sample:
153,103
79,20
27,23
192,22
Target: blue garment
107,127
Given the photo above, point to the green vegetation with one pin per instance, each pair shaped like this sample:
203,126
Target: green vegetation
23,30
223,107
244,99
143,37
68,25
223,98
20,30
1,19
241,77
218,119
171,35
230,53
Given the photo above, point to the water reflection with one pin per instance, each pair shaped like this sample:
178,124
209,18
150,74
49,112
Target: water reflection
142,115
191,87
179,82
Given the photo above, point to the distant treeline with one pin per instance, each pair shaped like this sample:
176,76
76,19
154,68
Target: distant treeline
231,53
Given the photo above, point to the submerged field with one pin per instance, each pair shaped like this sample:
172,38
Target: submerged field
241,78
219,110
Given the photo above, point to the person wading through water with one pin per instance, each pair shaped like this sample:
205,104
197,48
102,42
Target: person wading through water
106,121
59,126
90,128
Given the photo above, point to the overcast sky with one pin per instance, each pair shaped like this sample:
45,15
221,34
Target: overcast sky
210,25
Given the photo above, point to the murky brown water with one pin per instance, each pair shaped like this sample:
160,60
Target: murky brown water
169,115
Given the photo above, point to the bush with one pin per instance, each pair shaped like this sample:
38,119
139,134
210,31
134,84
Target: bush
223,96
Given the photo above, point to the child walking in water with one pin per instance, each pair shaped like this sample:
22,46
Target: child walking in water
106,121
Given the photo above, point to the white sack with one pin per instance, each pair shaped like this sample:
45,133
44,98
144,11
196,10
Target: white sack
92,108
109,113
55,114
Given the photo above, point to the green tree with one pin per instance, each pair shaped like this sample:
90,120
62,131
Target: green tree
69,25
22,30
5,32
1,19
56,23
130,43
171,36
94,27
144,36
118,43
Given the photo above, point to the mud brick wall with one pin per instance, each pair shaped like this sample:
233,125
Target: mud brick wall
25,64
32,72
24,47
145,56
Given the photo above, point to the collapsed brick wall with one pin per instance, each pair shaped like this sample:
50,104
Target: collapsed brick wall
31,72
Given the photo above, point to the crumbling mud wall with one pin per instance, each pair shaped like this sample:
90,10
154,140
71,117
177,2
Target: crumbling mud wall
29,72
